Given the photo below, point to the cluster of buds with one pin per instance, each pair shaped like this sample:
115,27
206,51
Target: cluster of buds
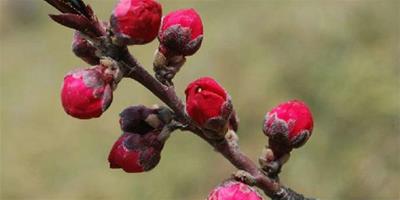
139,147
234,190
210,106
87,93
180,33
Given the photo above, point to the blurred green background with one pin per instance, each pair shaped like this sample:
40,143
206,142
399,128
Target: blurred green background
341,57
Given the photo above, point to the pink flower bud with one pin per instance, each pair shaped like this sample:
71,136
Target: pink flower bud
87,93
233,190
181,33
83,49
204,99
136,153
136,21
291,121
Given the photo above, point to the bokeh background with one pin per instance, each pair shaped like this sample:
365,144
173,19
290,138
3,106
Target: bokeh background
341,57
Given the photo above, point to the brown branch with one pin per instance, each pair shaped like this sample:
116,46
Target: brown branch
230,151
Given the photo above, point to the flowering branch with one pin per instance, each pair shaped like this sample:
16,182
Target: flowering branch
147,129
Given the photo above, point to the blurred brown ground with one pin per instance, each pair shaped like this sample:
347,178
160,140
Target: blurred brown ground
341,57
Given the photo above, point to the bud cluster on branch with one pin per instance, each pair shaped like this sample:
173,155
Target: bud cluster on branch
208,111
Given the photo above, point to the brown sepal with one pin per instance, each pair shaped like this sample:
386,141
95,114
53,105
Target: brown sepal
218,126
73,21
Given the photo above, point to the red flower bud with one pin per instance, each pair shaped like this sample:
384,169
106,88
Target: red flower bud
181,33
204,99
291,121
136,21
86,93
136,153
233,190
83,49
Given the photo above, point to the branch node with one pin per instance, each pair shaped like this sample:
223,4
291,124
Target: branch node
245,177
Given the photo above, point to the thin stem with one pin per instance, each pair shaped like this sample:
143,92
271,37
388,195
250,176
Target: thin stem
168,95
